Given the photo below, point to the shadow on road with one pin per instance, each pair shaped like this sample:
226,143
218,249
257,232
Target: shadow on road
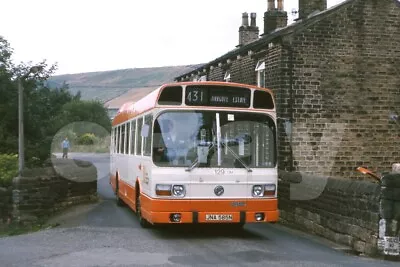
205,231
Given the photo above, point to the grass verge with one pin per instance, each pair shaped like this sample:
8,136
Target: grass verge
14,229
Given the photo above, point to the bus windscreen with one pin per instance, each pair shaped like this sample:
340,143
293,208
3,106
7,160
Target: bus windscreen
183,137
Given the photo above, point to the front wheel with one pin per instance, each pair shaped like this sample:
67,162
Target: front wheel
143,222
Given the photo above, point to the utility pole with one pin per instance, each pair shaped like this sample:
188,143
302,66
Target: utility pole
21,154
21,148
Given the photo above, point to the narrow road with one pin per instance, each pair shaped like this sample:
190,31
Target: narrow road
107,235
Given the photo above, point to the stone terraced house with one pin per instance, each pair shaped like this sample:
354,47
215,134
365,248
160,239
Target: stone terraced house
335,74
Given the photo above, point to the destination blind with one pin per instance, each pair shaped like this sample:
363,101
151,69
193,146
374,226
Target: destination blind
220,96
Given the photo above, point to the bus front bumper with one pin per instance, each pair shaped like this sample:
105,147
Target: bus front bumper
158,211
194,217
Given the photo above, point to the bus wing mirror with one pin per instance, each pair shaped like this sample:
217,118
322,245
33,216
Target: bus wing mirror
145,130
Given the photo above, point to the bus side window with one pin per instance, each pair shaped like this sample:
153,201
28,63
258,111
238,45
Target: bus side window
112,142
147,140
119,139
133,139
123,132
116,140
139,137
127,136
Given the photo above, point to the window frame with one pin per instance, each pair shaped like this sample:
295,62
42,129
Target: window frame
260,70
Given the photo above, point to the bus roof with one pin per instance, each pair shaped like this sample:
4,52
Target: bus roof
132,109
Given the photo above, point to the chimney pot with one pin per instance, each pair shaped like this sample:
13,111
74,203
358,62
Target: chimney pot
271,5
280,5
245,19
253,19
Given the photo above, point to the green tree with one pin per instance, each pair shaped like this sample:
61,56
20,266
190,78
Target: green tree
85,111
42,105
46,110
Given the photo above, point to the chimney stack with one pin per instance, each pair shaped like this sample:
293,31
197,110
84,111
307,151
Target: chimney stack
275,17
248,34
307,7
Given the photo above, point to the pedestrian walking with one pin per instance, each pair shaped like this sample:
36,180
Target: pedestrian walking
65,146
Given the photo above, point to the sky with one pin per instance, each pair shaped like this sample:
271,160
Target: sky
99,35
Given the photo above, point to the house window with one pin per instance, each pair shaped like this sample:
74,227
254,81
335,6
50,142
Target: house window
202,78
227,77
260,70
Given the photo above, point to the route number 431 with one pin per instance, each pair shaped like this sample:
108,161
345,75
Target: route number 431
195,96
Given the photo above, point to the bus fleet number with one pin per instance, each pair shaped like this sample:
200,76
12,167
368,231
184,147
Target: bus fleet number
221,171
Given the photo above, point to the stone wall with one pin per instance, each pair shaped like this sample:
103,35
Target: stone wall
5,206
345,85
242,70
359,214
40,193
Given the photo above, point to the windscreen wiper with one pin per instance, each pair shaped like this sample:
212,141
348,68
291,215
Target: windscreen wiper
196,161
237,157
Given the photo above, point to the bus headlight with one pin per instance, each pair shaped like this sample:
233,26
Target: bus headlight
258,191
178,190
163,190
264,190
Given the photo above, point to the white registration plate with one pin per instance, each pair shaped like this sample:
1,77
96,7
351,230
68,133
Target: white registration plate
219,217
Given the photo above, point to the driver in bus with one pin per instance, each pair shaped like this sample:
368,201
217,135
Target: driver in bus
167,141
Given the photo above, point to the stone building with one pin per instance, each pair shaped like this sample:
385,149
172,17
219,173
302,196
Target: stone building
335,76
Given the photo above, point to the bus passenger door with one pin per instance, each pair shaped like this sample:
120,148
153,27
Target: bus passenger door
145,161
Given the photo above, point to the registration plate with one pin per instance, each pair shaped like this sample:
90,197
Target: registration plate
219,217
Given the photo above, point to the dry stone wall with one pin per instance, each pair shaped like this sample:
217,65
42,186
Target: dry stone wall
42,192
360,214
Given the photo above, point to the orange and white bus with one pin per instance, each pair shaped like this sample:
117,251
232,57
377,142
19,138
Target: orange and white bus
197,152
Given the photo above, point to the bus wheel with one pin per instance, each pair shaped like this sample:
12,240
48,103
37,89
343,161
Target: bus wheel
120,202
143,222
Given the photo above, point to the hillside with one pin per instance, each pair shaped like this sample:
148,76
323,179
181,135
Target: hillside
107,85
